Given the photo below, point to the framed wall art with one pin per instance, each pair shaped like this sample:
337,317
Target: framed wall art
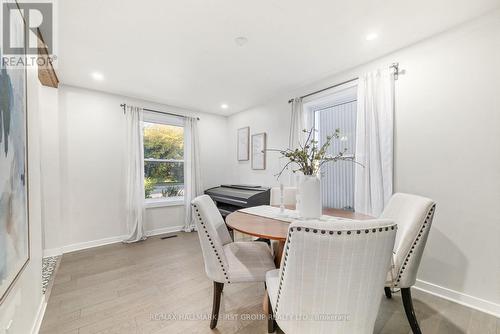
259,151
243,144
14,224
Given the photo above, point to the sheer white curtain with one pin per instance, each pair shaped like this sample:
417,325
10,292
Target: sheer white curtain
302,118
192,170
135,174
296,123
374,142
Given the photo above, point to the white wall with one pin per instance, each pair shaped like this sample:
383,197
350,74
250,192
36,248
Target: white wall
447,135
272,118
90,127
22,307
50,165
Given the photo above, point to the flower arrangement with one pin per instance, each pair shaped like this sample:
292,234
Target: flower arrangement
309,157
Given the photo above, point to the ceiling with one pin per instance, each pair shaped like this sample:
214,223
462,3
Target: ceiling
183,53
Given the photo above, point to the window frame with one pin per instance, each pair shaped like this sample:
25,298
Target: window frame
335,96
163,119
312,106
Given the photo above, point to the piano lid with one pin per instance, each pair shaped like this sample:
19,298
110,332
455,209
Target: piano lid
244,186
241,192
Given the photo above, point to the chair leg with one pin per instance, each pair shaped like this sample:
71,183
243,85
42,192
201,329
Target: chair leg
388,293
271,324
216,304
410,312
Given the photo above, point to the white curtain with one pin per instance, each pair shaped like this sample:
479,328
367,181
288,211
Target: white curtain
296,123
374,142
301,119
192,170
135,174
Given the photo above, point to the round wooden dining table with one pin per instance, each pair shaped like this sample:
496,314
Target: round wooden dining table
274,229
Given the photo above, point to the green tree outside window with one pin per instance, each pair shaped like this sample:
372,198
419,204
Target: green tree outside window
163,160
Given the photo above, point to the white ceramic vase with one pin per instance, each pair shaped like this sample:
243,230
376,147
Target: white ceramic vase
309,201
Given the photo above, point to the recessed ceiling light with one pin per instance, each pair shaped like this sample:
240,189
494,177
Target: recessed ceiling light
242,40
97,76
224,106
371,36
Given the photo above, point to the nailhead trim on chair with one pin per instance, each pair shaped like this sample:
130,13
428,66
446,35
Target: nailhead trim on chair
323,232
211,242
427,220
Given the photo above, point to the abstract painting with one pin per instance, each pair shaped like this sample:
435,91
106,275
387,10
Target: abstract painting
14,225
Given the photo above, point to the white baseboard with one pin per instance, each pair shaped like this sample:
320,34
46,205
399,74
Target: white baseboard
82,245
459,297
52,252
103,242
92,244
164,230
39,316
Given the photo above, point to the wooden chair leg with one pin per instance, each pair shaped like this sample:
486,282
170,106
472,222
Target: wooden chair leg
271,324
410,312
216,304
388,293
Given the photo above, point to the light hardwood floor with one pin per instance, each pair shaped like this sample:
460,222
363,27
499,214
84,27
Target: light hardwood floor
146,288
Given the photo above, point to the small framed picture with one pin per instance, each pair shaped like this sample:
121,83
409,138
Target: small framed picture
259,151
243,144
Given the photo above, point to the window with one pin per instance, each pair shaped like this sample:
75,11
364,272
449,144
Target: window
337,111
163,159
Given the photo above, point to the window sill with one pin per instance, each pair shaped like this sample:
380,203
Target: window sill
163,203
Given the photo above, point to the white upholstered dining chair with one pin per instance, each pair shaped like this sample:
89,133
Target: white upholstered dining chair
227,261
331,276
414,215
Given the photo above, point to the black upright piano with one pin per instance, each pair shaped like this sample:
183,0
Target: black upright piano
230,198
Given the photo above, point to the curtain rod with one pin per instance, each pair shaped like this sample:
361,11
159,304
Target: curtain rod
124,105
395,66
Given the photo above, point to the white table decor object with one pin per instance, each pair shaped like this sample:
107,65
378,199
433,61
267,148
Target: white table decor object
310,196
282,198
